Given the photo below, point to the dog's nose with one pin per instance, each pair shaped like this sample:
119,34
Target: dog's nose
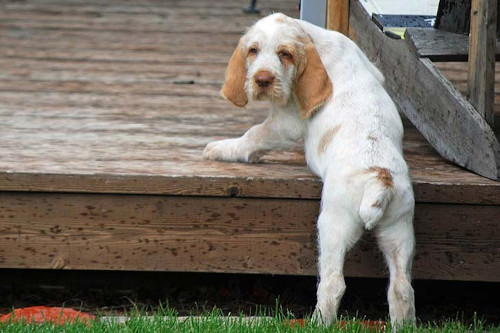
263,78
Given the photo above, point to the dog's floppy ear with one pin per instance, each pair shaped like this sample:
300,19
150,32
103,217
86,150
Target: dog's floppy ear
234,85
313,86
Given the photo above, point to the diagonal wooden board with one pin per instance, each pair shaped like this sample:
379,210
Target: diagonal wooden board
445,118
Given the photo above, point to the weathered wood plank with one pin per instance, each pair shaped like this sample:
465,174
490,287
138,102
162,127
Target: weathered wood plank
196,59
454,16
167,16
174,86
102,4
445,190
17,65
10,98
141,143
237,186
101,163
145,151
438,45
456,72
165,48
337,16
107,72
88,14
157,233
447,120
482,43
79,77
168,40
162,8
75,231
218,27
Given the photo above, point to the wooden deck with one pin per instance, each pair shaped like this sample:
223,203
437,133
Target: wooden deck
105,107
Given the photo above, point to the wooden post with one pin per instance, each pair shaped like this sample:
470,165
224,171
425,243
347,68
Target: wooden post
337,16
481,74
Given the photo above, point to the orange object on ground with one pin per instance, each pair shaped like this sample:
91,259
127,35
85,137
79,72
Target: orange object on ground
46,314
372,325
298,322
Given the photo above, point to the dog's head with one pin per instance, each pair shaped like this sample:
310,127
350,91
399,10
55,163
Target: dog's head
277,60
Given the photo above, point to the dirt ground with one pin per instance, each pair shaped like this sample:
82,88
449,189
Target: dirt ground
118,292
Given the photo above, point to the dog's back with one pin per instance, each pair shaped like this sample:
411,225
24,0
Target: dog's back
364,133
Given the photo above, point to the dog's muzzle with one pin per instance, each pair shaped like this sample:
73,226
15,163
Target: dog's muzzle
264,79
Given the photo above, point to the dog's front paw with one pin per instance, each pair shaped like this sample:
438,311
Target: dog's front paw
233,150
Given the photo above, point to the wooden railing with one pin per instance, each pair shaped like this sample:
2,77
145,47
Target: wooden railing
482,44
459,128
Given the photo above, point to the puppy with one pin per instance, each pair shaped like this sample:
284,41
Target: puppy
323,90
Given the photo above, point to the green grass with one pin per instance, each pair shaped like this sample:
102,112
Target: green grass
166,320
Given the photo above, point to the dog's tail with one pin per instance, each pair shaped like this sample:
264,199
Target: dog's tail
377,195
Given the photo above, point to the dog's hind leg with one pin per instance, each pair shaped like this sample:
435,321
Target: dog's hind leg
397,242
337,233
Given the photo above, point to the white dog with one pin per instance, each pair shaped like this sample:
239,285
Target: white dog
325,91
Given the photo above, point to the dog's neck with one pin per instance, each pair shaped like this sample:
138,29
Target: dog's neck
292,106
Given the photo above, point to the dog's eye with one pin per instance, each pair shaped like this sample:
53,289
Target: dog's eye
253,51
284,55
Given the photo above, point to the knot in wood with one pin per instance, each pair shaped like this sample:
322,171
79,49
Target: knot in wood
233,190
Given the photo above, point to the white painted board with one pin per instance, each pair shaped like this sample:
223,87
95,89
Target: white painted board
401,7
313,11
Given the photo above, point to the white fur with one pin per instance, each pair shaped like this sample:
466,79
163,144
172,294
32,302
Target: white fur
369,136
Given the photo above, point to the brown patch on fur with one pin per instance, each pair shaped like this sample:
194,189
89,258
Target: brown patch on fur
383,175
372,138
313,86
292,50
327,138
281,19
234,85
377,204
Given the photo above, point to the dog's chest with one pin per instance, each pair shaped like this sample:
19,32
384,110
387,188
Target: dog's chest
314,161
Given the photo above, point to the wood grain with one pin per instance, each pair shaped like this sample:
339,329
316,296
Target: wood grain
337,16
105,108
481,73
139,112
277,236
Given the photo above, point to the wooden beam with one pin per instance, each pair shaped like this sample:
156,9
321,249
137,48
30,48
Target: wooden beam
438,110
202,234
337,17
432,182
482,44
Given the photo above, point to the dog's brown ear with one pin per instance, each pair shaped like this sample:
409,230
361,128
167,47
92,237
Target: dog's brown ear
313,86
234,85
